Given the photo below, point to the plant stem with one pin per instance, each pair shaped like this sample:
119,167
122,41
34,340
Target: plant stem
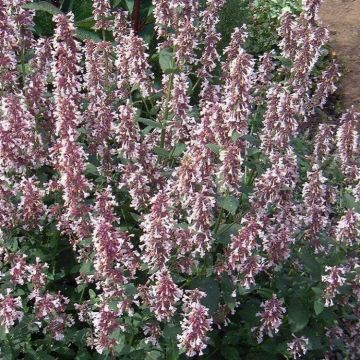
218,221
136,16
166,112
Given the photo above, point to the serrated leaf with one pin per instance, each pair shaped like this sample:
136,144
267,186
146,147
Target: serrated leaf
350,202
229,203
43,6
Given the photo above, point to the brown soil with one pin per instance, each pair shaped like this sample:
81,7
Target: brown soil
342,18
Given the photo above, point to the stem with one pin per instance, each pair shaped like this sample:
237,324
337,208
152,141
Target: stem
218,221
11,346
166,112
71,5
136,16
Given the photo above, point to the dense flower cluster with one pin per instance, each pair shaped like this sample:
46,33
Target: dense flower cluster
176,202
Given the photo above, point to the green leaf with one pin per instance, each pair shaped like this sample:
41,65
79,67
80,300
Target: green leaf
211,288
91,169
225,231
229,203
298,315
310,263
166,60
179,149
149,122
214,148
230,353
350,202
318,306
43,6
83,35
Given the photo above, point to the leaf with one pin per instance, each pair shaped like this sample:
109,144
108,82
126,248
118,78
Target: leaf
230,353
83,35
311,264
228,203
225,231
214,148
318,306
149,122
43,6
166,60
91,169
350,202
179,149
211,288
298,315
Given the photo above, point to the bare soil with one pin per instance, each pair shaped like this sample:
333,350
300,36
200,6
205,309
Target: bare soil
342,18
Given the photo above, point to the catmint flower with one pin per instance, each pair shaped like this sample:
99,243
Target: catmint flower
8,211
158,226
347,141
195,324
348,228
153,332
315,206
101,11
10,310
113,249
332,281
164,295
127,132
99,112
276,185
36,82
271,318
9,37
323,142
185,39
105,322
266,66
67,154
131,59
287,32
277,238
237,89
230,172
181,124
298,346
209,19
280,124
17,134
31,207
311,9
325,86
18,269
36,276
240,255
164,18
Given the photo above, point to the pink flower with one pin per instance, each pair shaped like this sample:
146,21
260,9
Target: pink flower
333,281
347,230
164,295
10,311
101,11
271,318
298,347
195,324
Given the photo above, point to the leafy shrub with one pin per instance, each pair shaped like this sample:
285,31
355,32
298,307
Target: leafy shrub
174,202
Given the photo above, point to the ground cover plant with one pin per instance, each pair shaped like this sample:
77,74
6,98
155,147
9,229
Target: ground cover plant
161,199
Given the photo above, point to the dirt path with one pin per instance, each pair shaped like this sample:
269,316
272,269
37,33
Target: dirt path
342,18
